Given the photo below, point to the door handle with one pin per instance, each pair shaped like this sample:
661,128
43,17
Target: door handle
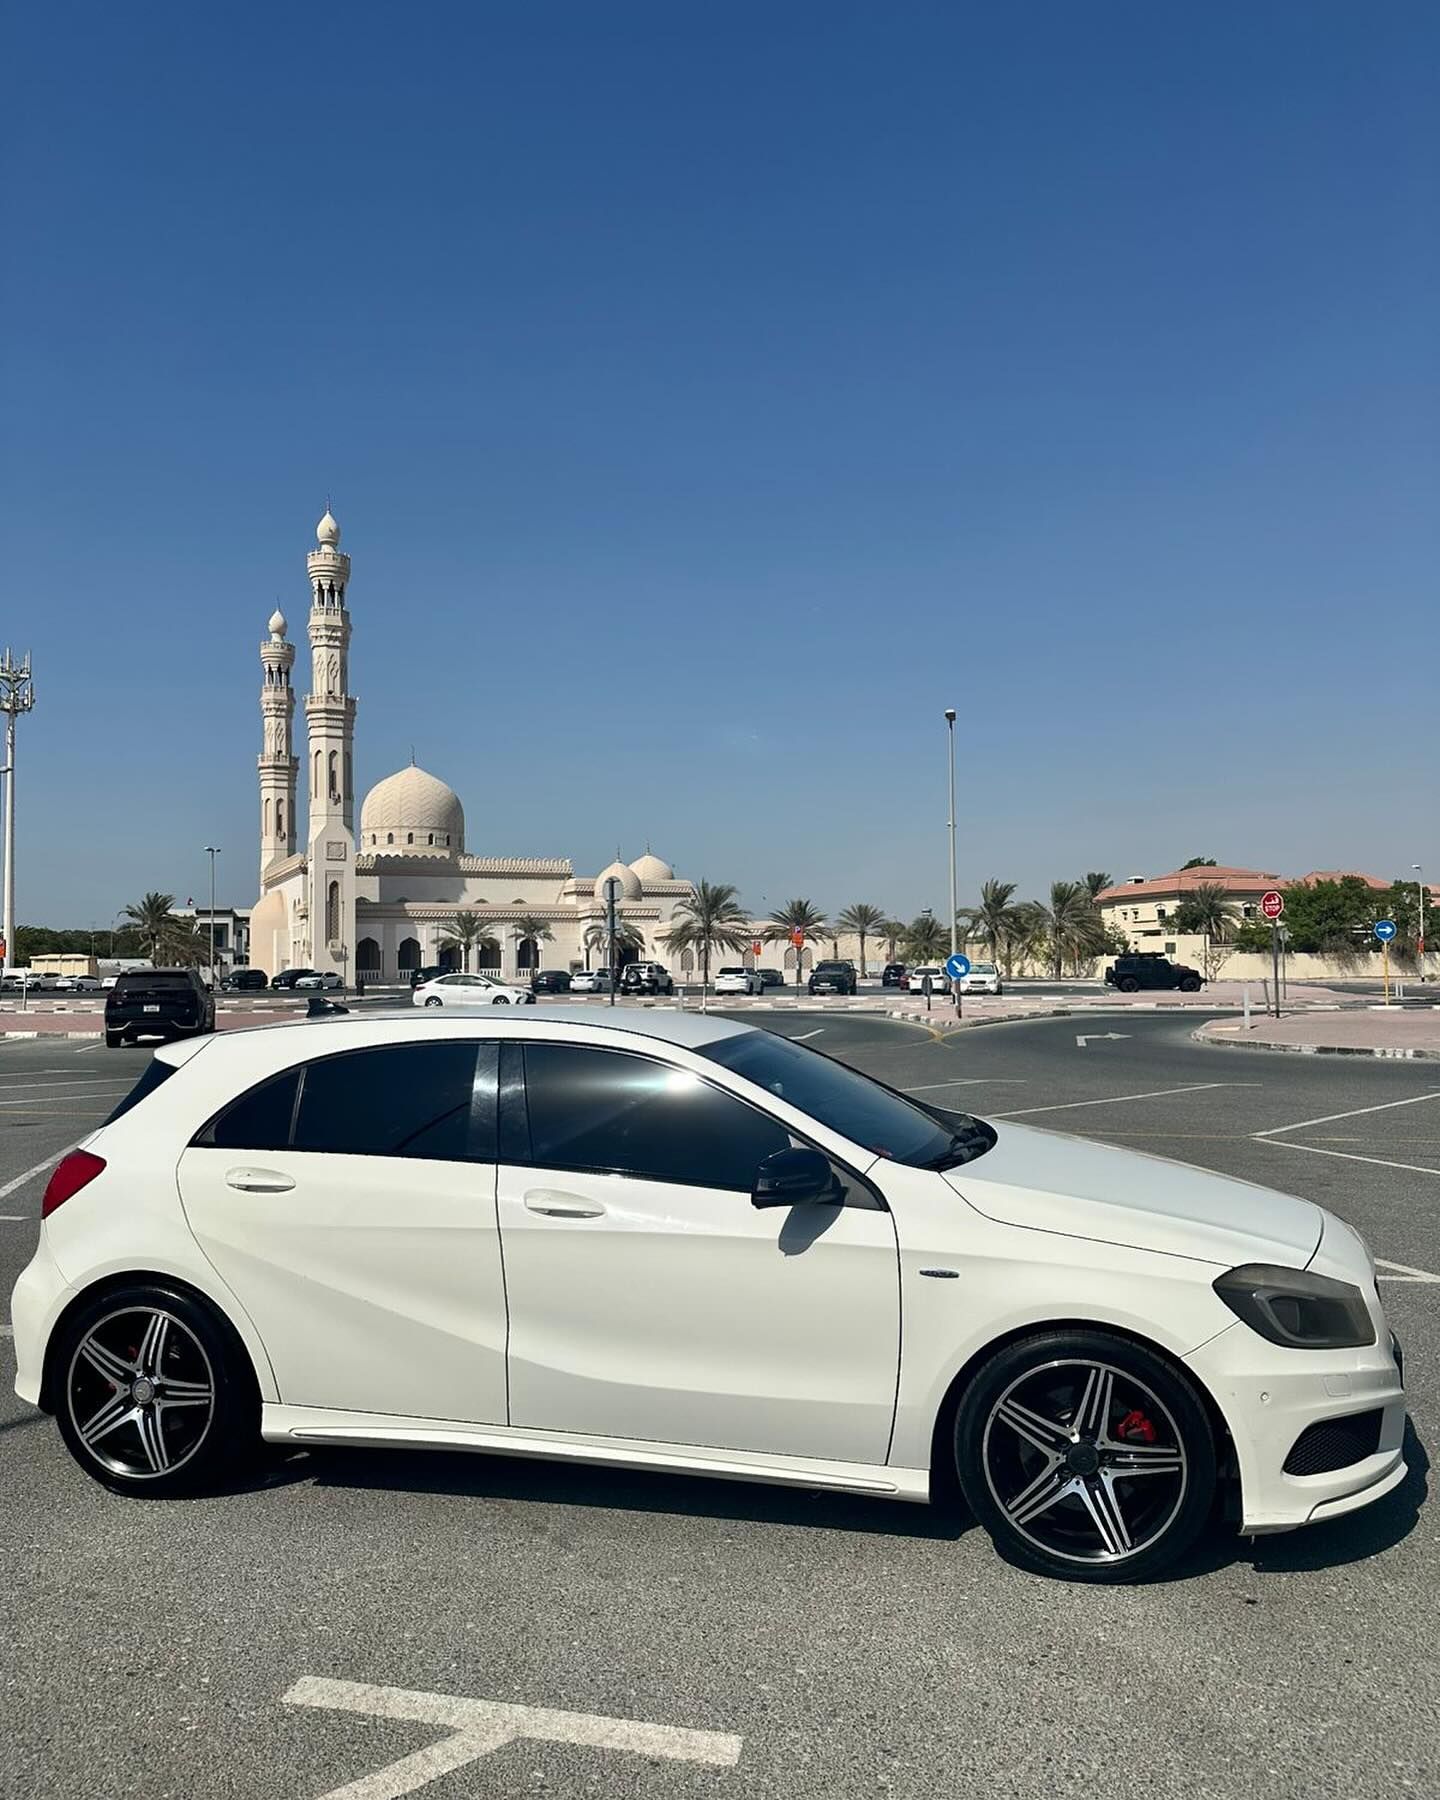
259,1181
555,1205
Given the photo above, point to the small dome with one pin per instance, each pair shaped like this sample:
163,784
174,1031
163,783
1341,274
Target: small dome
415,811
650,868
628,879
327,532
277,623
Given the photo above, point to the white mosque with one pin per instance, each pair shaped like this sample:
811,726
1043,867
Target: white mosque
378,903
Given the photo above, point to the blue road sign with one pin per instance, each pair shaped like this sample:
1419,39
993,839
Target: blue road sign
957,965
1385,930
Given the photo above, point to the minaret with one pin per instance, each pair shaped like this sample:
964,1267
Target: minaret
278,763
330,721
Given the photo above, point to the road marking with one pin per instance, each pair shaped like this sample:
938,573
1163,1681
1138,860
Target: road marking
1354,1113
1198,1087
1380,1162
970,1081
799,1037
76,1081
479,1727
12,1218
1098,1037
30,1174
1403,1272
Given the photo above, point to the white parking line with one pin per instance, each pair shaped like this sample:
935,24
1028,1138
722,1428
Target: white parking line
1403,1272
1197,1087
800,1037
479,1727
30,1174
1347,1156
1354,1113
73,1081
926,1087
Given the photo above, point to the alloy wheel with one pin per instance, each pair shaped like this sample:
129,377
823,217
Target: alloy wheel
140,1392
1085,1461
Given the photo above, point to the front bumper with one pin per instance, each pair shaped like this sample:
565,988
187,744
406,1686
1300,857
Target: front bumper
1269,1395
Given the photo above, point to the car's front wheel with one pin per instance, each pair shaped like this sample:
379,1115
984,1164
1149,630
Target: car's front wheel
1190,985
1086,1455
153,1393
433,1000
1127,984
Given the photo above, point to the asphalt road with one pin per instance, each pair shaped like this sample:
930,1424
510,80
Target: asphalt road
846,1647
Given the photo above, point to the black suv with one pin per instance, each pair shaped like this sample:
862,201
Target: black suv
288,977
157,1003
833,978
1148,969
894,975
240,980
550,981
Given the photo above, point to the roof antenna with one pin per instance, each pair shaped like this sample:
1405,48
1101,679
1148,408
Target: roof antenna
412,756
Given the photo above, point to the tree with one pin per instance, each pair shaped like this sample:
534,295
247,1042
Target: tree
532,926
154,921
1206,911
891,933
1095,882
995,921
1072,926
864,921
467,932
1326,918
710,917
794,915
926,940
597,938
1199,862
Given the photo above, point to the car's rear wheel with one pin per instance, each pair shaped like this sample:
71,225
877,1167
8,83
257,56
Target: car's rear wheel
154,1394
114,1040
1086,1455
1127,984
1190,985
433,1000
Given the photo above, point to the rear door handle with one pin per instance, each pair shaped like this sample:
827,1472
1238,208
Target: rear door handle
259,1181
555,1205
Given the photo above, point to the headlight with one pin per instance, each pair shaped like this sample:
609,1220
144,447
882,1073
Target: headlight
1298,1309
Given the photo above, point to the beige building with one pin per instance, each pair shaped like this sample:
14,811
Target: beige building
375,897
1142,907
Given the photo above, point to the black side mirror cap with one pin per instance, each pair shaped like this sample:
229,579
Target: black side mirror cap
796,1178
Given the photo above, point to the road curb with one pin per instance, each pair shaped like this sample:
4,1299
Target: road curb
1393,1053
49,1034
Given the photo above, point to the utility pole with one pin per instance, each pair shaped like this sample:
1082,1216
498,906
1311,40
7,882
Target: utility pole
17,695
954,902
1420,885
612,892
212,851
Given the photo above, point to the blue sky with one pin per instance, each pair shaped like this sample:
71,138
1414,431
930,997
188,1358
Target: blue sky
712,395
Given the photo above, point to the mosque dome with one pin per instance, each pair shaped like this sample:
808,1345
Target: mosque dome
327,532
412,811
628,879
277,623
650,868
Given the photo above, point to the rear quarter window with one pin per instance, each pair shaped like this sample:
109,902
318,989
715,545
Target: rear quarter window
155,1074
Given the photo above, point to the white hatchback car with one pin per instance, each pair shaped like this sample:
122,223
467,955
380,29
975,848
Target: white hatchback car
984,978
939,980
470,990
590,981
738,981
672,1241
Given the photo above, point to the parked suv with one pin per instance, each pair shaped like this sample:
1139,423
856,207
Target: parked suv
893,975
833,978
550,981
287,978
646,978
157,1003
239,980
1148,969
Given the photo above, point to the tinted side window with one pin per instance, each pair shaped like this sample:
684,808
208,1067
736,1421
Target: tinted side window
601,1109
401,1100
259,1120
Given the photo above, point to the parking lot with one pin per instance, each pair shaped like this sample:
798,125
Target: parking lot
364,1625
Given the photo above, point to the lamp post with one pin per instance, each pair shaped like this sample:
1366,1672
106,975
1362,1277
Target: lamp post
612,894
17,695
212,851
954,903
1420,886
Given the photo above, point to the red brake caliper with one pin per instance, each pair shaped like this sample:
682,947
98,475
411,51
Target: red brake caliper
1135,1428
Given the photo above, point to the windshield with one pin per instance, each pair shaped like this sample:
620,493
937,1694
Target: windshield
852,1104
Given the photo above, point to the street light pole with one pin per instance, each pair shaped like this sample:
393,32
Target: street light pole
1420,885
212,851
17,695
950,730
612,891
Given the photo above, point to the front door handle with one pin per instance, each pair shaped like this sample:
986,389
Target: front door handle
259,1181
555,1205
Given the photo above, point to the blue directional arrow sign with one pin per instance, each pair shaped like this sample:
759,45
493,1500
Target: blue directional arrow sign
1385,930
957,965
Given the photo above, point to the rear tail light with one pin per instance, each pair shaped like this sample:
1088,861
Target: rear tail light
72,1172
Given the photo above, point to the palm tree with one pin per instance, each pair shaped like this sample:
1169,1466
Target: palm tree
926,940
1207,909
154,921
597,938
864,920
996,920
891,933
1095,882
466,933
532,926
710,917
793,916
1071,924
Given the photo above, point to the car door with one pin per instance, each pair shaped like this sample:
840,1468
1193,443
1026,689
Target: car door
649,1299
350,1204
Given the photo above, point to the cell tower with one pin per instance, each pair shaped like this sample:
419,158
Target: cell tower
17,695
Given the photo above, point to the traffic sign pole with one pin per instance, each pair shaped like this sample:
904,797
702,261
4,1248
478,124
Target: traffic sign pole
1275,962
1385,930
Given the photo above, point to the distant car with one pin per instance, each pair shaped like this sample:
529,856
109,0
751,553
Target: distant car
289,978
938,979
646,978
984,978
893,975
243,980
76,984
470,990
429,973
1148,969
550,981
833,978
590,981
313,979
157,1003
739,981
19,979
771,977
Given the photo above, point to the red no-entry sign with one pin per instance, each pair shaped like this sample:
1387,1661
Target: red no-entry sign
797,938
1272,904
756,947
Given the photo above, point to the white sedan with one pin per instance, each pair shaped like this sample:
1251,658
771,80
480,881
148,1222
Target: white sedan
738,981
670,1241
470,990
984,978
590,981
939,980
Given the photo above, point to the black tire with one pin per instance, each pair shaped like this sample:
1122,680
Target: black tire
114,1040
433,1000
1190,985
197,1370
1127,984
1081,1516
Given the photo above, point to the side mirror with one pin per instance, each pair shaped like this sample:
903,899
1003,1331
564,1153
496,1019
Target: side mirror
796,1178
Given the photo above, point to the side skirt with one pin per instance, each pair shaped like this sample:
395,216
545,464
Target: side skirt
385,1431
